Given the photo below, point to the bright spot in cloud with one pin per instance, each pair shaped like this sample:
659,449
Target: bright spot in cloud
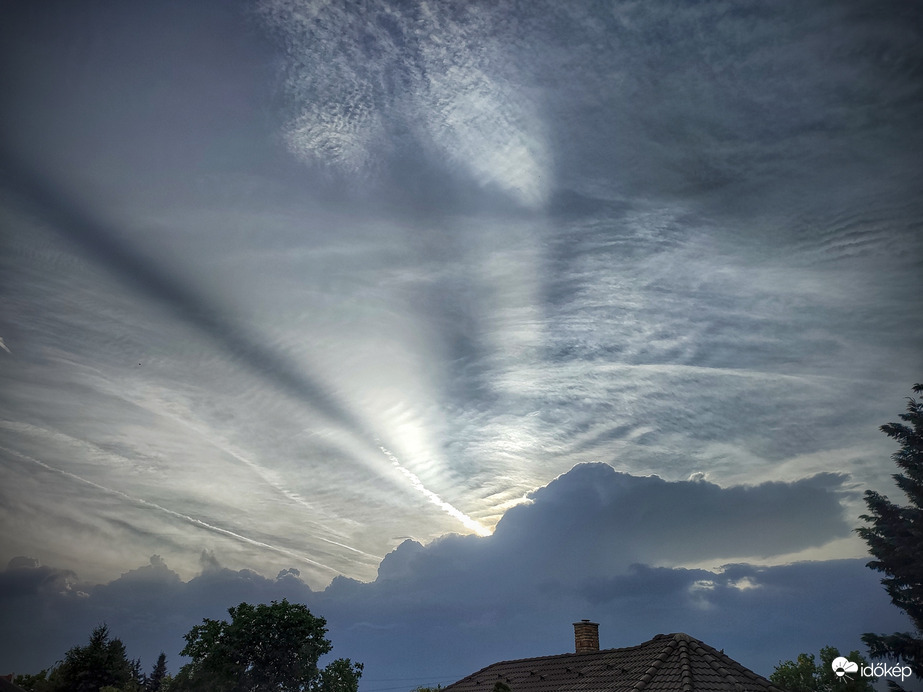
469,523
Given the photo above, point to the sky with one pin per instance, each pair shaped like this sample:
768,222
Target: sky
457,321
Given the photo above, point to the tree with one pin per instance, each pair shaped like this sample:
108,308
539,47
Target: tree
267,648
33,682
101,663
805,675
156,678
100,666
340,676
895,539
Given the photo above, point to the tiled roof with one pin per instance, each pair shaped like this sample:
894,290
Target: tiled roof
7,686
666,663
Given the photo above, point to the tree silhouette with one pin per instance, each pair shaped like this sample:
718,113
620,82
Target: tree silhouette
101,663
263,647
895,539
156,678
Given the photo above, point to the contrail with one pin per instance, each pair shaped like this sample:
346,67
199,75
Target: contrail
102,241
267,475
449,509
172,513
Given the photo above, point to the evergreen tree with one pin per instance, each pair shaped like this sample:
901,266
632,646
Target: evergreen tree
101,663
895,539
157,676
138,680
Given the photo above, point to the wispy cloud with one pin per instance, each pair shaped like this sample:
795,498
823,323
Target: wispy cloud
682,239
427,70
178,515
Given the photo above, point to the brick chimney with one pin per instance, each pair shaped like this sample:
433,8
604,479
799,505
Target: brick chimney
586,636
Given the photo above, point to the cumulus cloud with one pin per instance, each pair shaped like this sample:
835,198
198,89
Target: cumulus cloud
587,544
592,512
25,576
593,521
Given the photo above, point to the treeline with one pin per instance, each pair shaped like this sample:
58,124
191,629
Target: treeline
262,647
101,666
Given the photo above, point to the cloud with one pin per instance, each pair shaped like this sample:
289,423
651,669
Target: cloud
104,244
713,293
427,70
593,522
616,518
587,544
25,576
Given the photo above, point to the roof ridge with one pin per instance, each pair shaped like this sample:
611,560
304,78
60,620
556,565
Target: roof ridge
717,660
685,664
671,643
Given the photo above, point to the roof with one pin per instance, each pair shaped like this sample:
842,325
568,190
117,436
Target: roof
7,686
668,662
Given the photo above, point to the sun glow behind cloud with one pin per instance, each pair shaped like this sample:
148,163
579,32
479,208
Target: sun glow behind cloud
446,507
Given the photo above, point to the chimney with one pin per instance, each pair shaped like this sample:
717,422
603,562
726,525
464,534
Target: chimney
586,636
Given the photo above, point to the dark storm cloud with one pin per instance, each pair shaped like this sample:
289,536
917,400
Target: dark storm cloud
759,614
446,608
25,577
623,517
605,521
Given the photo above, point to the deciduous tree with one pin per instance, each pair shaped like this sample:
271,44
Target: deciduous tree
805,674
264,648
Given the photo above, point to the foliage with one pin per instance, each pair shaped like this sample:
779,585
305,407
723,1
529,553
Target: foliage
34,682
101,663
804,674
100,666
272,647
895,539
340,676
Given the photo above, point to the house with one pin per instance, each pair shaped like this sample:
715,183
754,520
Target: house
666,663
